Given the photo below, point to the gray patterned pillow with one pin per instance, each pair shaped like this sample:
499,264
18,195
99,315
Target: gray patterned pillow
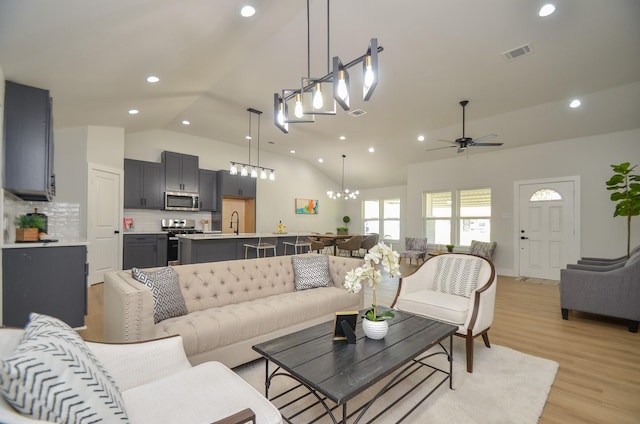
53,376
456,275
483,249
311,271
168,301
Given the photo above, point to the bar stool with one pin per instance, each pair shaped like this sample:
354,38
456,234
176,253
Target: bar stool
264,244
301,243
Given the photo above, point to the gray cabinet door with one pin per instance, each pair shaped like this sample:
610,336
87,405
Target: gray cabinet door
181,172
208,190
143,185
144,250
28,142
46,280
236,185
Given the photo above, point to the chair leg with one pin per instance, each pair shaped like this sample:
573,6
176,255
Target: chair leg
469,339
565,313
633,326
485,338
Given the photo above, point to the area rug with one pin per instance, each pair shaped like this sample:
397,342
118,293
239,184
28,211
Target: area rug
506,386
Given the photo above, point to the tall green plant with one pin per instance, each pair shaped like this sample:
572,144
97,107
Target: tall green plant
626,187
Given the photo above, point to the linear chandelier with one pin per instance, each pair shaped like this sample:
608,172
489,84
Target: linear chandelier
247,169
344,193
318,96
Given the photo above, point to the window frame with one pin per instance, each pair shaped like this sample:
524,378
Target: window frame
381,218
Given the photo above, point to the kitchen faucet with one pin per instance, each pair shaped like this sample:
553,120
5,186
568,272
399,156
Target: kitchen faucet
237,231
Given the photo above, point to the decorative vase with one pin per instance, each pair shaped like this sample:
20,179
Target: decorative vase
375,330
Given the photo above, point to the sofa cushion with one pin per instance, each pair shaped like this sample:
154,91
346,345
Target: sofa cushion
209,329
156,402
168,301
52,375
483,249
311,272
440,306
456,275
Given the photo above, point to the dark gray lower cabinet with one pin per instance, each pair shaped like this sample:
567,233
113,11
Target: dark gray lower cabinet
144,250
46,280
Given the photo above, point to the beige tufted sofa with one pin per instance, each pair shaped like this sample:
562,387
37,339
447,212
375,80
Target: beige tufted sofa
231,306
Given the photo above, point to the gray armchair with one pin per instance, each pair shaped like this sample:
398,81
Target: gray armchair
614,293
608,261
415,248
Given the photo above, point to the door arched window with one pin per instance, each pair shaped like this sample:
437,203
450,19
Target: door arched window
545,195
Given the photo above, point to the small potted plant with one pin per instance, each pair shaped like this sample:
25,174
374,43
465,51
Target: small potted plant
342,230
450,247
29,227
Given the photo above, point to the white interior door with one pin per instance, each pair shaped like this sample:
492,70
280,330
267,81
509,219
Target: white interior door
547,228
104,222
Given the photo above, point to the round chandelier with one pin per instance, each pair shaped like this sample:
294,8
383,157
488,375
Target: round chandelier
344,193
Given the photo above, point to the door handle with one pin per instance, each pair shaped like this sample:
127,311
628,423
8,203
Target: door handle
524,238
116,232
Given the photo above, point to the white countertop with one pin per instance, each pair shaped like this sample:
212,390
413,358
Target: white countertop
139,233
218,236
59,243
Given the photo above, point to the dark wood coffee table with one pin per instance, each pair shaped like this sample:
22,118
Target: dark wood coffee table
338,371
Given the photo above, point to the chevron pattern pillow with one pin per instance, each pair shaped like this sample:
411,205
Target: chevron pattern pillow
456,275
168,301
53,376
311,272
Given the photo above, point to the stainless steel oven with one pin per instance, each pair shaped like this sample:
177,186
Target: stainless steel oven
175,227
181,201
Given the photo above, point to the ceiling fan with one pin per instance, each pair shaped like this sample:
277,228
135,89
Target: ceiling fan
463,142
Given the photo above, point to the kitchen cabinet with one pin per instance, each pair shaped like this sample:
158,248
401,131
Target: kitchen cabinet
143,185
236,185
144,250
181,172
47,280
28,142
208,190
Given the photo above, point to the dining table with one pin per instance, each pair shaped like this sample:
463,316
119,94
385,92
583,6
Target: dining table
333,238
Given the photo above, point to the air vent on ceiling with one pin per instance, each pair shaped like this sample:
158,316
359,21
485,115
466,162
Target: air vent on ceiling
518,51
357,112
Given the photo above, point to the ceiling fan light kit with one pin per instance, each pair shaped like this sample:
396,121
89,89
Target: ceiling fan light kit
318,96
463,142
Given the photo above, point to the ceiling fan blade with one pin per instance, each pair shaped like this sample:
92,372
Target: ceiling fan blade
438,148
483,138
487,144
448,141
461,149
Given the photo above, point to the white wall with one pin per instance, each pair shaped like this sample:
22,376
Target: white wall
588,157
275,199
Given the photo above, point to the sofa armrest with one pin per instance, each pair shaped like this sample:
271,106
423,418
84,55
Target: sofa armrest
595,267
134,364
242,417
128,309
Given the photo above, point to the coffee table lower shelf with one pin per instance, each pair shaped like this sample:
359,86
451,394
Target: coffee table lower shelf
332,374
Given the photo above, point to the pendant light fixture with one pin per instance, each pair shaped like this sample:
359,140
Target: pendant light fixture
247,169
318,96
345,194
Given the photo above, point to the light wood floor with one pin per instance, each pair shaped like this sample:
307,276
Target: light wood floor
599,376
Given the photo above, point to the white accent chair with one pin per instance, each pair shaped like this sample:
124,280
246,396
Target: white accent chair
159,385
429,292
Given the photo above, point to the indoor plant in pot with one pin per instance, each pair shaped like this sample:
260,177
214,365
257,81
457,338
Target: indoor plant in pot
626,192
29,227
374,324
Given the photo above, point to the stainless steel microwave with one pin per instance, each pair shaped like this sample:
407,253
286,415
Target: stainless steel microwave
181,201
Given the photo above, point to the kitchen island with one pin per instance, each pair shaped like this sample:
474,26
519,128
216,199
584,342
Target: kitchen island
201,248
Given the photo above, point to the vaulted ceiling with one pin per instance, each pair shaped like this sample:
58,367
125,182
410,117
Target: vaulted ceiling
213,64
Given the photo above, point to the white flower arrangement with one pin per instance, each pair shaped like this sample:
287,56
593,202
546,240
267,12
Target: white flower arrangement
380,254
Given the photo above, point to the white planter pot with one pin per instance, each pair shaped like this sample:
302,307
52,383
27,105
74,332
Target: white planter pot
375,330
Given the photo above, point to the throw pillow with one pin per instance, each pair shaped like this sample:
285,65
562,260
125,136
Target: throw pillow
483,249
53,376
168,301
456,275
311,272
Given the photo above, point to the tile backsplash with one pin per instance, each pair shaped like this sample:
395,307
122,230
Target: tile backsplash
63,219
149,220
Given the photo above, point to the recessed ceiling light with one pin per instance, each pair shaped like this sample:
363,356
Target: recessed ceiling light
293,152
320,160
185,122
575,103
247,11
371,149
133,111
420,137
152,79
248,137
546,10
343,137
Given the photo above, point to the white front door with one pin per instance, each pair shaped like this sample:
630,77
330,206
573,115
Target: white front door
547,227
104,221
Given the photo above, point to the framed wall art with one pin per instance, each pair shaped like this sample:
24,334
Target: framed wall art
307,206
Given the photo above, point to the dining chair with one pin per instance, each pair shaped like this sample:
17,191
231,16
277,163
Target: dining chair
264,244
350,245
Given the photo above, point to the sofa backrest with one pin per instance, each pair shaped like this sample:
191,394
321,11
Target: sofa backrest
215,284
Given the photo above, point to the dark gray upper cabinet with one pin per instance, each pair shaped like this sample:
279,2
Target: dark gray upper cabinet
144,250
236,185
181,172
143,184
208,190
28,142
